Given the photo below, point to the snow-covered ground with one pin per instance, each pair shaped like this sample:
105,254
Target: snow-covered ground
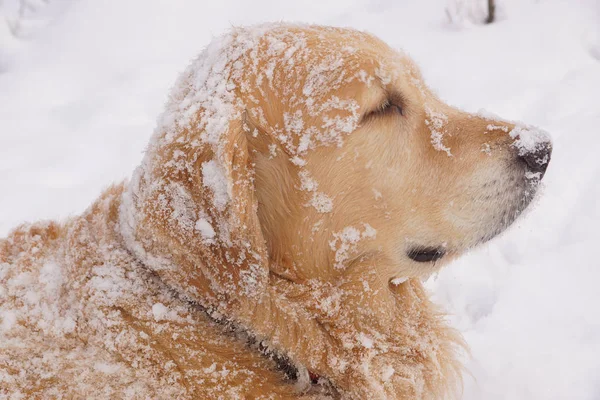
82,82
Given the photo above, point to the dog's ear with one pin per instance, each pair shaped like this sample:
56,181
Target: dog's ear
190,212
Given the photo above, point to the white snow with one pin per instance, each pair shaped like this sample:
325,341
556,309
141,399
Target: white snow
387,373
107,368
528,139
159,311
344,242
399,280
205,229
78,103
436,121
214,178
320,201
365,340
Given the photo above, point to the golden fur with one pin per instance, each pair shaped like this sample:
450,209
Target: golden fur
274,208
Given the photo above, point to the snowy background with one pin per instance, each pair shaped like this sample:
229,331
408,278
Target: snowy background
82,82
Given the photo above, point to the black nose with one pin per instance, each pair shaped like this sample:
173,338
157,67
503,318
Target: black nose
538,159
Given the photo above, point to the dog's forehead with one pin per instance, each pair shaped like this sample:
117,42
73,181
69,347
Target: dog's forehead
325,62
307,85
310,66
313,47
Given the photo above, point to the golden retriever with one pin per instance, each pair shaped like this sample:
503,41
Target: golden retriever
300,185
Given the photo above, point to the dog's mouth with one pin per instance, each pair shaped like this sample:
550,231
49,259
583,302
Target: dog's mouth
524,191
489,207
506,195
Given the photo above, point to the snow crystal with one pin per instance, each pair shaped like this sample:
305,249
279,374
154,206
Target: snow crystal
205,229
305,142
384,75
485,148
369,232
8,318
159,311
182,205
294,124
298,161
345,242
307,182
212,368
365,340
399,280
533,175
436,122
365,77
320,201
334,128
272,151
387,372
107,368
529,139
214,178
51,275
492,127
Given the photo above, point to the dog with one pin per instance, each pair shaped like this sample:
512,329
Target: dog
301,183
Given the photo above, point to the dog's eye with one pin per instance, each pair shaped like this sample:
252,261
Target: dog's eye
390,107
426,254
395,108
387,108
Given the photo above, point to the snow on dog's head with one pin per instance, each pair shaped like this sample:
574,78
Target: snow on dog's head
301,182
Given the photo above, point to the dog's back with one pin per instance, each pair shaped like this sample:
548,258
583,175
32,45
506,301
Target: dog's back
80,318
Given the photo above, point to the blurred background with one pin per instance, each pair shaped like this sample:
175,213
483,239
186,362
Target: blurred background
83,81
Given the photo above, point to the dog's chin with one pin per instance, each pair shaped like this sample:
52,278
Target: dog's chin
526,194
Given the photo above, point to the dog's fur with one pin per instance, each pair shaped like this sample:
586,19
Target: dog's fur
295,170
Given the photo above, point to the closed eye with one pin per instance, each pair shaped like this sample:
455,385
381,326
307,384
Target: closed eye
426,254
388,107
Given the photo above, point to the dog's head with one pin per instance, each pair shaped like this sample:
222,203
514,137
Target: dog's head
304,179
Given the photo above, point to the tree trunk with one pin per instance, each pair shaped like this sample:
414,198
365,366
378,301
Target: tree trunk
491,12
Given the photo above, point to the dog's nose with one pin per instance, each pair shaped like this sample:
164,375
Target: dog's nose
538,159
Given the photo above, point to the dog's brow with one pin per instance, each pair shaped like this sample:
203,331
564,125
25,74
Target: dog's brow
375,99
395,97
387,96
